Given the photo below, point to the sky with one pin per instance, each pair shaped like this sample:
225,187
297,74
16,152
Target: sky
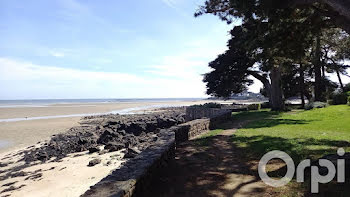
72,49
106,49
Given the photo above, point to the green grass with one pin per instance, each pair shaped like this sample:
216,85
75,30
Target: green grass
301,134
212,133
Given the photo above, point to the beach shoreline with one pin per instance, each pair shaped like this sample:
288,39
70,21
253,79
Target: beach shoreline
70,163
38,123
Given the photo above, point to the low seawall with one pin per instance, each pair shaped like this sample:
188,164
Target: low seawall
193,113
134,178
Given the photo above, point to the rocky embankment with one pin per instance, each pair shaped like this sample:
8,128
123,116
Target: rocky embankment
112,132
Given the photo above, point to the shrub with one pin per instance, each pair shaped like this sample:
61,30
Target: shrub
330,102
208,105
309,106
312,105
320,104
349,100
265,105
340,99
254,106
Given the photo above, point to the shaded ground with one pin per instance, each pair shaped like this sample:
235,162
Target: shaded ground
210,166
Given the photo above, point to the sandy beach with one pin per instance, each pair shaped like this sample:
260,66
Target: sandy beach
20,134
69,176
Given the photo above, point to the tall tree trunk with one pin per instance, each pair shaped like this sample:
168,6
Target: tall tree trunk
340,81
317,68
277,103
323,70
264,81
302,85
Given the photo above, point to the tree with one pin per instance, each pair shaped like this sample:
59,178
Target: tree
269,41
337,10
229,74
279,43
335,49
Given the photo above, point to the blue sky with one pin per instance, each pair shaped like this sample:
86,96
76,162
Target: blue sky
106,49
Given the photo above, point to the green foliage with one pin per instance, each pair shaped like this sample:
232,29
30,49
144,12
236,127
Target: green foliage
229,74
339,99
271,37
347,88
208,105
349,100
312,105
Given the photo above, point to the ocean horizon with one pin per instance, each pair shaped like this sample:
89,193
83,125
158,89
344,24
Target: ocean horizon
147,103
43,102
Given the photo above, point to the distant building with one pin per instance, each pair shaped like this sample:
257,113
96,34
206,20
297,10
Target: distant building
247,95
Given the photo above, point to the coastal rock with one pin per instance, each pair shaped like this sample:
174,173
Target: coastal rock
3,165
94,162
114,146
108,136
19,174
94,150
132,152
113,131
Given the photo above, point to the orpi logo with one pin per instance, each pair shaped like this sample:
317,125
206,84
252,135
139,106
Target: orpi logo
316,177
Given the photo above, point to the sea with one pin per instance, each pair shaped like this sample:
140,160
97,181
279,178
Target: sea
48,102
45,102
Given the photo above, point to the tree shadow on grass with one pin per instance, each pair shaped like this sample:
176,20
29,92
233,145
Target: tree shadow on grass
220,166
210,166
271,122
297,148
258,119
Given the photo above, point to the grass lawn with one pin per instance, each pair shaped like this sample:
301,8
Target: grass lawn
301,134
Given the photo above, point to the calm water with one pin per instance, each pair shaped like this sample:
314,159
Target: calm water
44,102
4,144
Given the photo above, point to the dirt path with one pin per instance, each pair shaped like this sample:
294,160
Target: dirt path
211,166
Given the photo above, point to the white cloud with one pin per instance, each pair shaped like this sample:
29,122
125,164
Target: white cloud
170,3
57,54
174,4
179,67
25,80
78,13
73,8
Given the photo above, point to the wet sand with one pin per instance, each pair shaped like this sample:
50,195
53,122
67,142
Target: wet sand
87,108
21,134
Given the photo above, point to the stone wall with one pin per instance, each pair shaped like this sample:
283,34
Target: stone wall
135,175
193,113
190,129
133,178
